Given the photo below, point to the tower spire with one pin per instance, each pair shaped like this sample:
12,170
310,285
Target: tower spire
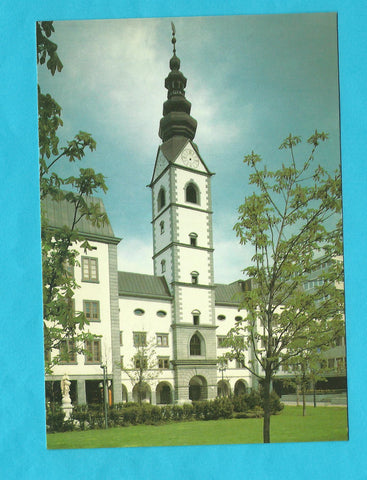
176,120
173,37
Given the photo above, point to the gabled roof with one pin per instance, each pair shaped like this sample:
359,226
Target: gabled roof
61,213
172,147
142,285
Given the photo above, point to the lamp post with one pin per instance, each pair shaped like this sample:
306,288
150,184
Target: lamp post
222,367
105,394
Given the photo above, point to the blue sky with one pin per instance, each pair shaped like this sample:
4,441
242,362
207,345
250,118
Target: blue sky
251,81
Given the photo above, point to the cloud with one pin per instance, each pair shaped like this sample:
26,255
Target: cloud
135,255
230,258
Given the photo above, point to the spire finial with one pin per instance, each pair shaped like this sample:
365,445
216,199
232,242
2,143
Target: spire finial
173,37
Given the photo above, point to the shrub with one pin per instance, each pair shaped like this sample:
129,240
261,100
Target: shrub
156,414
131,415
55,418
225,407
198,410
81,415
166,413
188,411
213,409
253,399
177,413
240,403
276,405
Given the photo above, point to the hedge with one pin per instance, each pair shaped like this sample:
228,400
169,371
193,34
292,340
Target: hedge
124,414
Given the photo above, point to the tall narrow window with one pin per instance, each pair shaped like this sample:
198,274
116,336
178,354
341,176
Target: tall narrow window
163,266
93,351
161,198
89,269
67,351
194,278
140,339
161,225
91,310
192,194
195,345
193,239
163,363
195,317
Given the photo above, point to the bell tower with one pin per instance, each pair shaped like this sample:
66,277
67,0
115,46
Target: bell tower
183,241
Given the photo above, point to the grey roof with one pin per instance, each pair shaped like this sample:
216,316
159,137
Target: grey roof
172,147
60,213
151,286
138,284
230,294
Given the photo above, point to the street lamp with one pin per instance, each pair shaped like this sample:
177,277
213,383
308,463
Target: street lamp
105,394
222,367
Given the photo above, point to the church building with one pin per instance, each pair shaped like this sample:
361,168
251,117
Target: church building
179,311
170,325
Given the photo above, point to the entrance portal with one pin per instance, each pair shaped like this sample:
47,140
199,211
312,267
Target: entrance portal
198,388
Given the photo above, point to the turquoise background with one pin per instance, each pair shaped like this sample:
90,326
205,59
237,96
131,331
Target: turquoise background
22,437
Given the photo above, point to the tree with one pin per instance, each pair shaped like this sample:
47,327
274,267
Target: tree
306,370
143,365
291,220
63,327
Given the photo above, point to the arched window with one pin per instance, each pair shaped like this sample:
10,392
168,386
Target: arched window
193,239
163,266
195,317
161,225
195,345
192,193
161,198
194,278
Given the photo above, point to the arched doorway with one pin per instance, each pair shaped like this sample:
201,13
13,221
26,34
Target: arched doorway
124,393
240,387
223,389
198,388
142,393
163,393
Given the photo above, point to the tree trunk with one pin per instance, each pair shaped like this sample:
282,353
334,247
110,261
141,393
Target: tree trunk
266,407
314,394
303,397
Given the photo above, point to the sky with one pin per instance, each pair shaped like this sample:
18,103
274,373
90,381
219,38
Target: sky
252,80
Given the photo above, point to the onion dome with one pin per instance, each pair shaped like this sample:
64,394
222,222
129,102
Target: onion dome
176,118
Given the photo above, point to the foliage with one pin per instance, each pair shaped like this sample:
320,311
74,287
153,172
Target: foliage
61,322
55,419
213,409
254,402
293,223
143,367
275,404
91,416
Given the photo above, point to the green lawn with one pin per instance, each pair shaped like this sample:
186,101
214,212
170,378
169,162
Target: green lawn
319,424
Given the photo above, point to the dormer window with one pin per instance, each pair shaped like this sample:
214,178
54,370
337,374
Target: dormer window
161,198
192,193
195,278
193,239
